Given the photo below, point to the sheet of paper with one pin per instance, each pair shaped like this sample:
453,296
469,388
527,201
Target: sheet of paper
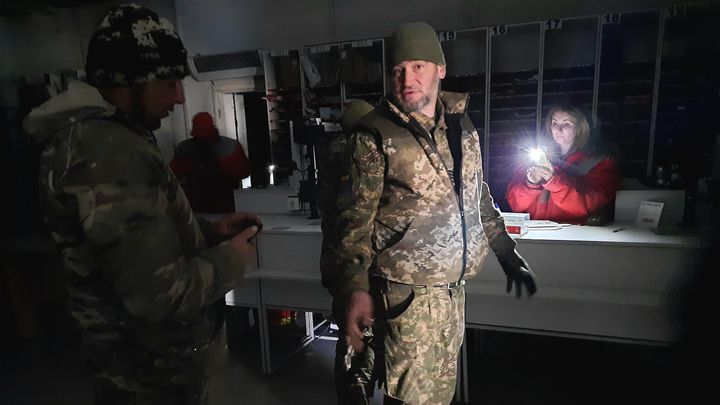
649,214
542,224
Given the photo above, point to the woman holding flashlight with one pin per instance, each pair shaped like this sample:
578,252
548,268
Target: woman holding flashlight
571,178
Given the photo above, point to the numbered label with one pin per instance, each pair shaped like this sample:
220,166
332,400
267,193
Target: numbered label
446,35
362,44
282,52
499,30
676,10
320,49
611,18
553,24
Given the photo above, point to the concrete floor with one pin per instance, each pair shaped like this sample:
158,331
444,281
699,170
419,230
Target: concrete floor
505,368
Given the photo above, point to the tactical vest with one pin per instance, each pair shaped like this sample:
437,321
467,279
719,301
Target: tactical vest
425,231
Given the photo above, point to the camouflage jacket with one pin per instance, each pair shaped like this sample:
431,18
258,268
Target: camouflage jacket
399,214
332,171
142,283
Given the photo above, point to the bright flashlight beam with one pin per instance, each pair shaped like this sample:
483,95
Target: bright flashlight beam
536,155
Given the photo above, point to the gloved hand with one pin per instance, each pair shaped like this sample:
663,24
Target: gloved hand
518,272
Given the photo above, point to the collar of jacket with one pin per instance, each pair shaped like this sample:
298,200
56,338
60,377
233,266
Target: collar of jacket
454,103
79,102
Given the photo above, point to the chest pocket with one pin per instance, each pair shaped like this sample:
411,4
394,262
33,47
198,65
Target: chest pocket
408,165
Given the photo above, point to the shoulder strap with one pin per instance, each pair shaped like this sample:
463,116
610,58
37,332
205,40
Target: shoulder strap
454,135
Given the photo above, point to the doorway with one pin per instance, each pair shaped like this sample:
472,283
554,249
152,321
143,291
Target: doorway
244,117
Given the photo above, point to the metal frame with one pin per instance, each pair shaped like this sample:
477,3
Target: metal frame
656,92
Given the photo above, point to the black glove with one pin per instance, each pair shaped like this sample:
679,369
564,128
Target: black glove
517,271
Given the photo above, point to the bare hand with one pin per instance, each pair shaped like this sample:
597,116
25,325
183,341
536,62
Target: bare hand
539,174
359,315
244,242
231,224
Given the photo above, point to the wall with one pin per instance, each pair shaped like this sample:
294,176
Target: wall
57,39
217,26
53,40
198,97
49,41
8,62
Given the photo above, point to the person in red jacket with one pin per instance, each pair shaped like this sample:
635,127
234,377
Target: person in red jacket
572,178
210,167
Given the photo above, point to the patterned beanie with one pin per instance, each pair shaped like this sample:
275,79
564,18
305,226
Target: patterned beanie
414,41
131,45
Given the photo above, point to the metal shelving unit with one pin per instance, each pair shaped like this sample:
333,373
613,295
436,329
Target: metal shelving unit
629,70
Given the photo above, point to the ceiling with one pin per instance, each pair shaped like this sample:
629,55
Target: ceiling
10,8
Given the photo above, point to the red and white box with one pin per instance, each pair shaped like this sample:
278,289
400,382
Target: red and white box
516,223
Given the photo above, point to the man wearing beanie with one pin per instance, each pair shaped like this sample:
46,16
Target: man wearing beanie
145,279
416,220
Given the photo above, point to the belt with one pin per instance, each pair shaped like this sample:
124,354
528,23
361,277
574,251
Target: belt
450,286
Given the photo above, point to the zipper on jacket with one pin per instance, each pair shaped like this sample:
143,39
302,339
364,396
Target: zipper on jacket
464,233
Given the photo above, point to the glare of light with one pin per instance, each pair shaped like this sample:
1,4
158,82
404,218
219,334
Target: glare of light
271,170
536,154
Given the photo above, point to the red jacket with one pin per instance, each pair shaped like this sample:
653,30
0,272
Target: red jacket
582,185
209,171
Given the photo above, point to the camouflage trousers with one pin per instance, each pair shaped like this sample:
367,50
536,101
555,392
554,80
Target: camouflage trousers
356,385
418,333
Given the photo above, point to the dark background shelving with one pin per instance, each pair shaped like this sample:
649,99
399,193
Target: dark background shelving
285,107
649,79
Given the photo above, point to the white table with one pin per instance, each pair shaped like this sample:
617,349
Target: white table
593,283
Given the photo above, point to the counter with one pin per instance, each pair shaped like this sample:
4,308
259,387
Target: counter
593,283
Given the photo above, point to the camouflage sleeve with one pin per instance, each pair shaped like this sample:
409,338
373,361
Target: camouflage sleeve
330,172
357,205
140,232
209,234
493,224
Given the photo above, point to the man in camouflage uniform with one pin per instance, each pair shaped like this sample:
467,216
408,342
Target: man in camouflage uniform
146,280
416,219
354,385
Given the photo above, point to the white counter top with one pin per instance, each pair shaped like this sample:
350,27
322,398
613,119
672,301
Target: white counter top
593,282
290,224
627,234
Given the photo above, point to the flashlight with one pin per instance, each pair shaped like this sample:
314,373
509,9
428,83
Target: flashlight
536,155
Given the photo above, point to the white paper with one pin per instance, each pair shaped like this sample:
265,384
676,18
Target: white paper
544,225
649,214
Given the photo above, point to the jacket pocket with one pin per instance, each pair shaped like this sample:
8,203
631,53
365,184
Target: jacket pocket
403,309
389,232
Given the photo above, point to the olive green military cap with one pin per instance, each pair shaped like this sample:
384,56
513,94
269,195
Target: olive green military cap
414,41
